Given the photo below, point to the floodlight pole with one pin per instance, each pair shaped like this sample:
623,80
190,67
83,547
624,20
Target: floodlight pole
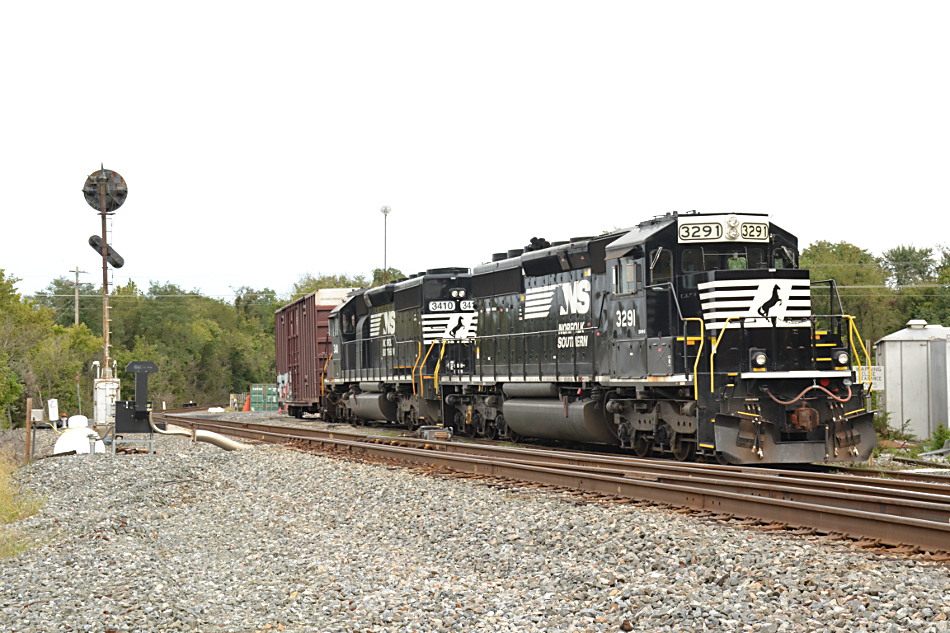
385,211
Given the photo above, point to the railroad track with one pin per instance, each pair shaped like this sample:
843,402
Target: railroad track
912,515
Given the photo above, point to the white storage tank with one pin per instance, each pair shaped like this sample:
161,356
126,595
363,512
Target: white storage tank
916,381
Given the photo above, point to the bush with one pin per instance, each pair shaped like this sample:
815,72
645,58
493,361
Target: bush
940,436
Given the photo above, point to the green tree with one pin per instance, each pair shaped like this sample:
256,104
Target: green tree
909,266
58,361
921,277
10,390
381,276
23,325
60,297
861,281
255,308
308,283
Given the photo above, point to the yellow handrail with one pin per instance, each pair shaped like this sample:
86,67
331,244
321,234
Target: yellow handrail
852,331
435,375
414,365
712,355
423,365
699,354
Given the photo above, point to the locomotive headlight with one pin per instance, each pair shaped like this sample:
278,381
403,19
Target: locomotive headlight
732,233
455,293
758,358
461,293
841,357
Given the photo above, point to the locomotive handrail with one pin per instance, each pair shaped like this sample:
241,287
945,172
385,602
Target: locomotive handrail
414,365
524,363
438,364
712,353
676,301
853,330
852,334
832,288
699,353
423,365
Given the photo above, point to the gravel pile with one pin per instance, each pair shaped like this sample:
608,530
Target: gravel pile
268,539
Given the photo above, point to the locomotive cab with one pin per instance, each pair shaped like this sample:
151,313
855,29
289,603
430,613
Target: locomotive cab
720,352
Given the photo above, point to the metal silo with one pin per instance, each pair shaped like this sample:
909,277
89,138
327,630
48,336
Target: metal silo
916,380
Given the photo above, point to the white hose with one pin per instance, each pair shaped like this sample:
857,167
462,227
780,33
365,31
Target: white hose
202,436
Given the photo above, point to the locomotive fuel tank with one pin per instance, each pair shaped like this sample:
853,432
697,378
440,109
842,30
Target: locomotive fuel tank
373,406
578,421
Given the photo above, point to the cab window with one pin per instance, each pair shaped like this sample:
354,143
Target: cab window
629,275
784,257
661,266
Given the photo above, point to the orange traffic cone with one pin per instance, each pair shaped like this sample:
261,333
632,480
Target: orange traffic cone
247,404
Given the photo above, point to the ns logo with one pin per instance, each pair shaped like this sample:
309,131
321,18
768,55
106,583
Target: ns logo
576,297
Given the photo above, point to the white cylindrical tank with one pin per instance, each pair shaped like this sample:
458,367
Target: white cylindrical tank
77,439
77,422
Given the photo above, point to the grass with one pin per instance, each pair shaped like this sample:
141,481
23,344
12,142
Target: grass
14,505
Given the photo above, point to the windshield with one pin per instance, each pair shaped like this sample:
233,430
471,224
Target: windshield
723,257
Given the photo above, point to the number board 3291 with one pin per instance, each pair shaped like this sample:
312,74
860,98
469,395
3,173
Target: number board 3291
723,228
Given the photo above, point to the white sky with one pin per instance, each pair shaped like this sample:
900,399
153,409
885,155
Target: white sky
259,140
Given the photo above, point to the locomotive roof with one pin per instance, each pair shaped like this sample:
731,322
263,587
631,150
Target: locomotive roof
650,228
638,234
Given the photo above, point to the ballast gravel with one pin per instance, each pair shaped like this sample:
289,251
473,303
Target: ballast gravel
270,539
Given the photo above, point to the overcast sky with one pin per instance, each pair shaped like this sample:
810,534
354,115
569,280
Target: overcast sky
259,140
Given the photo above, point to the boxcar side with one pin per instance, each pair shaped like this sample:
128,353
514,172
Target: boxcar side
303,352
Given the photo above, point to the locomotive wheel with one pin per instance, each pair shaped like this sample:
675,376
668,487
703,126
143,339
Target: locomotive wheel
491,427
412,420
684,448
478,424
462,429
642,445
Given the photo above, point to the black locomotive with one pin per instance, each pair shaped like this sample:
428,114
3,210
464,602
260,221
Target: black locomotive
689,334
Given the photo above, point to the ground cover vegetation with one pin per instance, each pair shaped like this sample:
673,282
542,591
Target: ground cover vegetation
15,504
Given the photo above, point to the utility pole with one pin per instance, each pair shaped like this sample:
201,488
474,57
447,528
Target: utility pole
76,299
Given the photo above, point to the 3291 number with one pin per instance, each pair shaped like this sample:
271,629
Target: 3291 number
626,318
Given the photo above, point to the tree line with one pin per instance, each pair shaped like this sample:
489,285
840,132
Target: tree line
206,348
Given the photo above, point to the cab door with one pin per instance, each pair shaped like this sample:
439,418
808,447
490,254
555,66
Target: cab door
623,318
660,308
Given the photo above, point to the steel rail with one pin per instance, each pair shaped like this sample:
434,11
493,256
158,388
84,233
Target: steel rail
918,523
887,529
926,491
